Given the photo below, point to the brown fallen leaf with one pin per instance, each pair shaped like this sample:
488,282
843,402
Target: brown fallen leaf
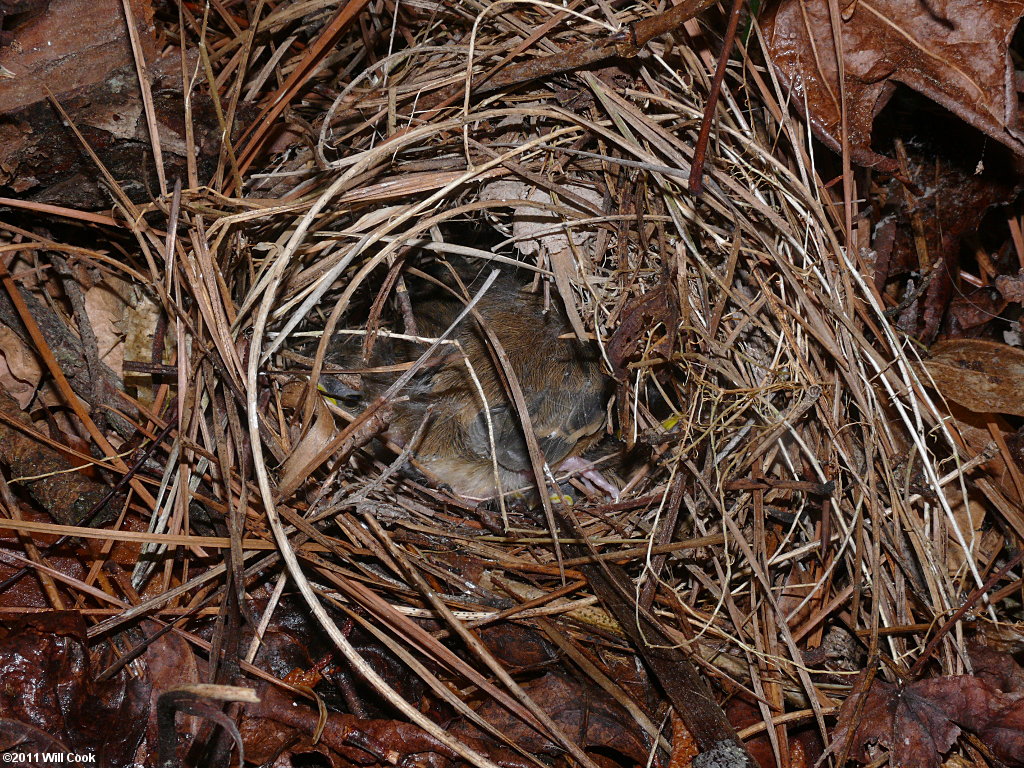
170,663
974,308
308,446
645,316
955,52
1006,639
582,712
998,668
278,726
982,376
1004,731
916,723
50,687
20,372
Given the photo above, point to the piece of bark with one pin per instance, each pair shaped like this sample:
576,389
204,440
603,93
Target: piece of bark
80,50
67,496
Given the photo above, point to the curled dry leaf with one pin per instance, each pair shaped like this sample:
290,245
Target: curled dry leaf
106,309
955,52
974,308
534,226
982,376
20,372
1011,287
307,447
655,313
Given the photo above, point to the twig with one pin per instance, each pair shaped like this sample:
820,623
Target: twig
696,184
626,43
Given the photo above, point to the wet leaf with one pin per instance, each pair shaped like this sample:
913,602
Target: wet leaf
912,723
582,712
918,723
170,663
997,668
49,685
955,52
1004,733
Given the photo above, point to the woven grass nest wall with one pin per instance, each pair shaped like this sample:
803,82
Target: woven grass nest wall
796,512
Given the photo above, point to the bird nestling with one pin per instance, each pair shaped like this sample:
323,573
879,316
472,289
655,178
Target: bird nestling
565,391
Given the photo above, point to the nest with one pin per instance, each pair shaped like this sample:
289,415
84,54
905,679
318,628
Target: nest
789,486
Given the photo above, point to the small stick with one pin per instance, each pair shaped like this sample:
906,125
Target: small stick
973,598
627,43
700,151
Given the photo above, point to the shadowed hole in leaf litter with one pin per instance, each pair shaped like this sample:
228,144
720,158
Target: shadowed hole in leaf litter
936,241
915,119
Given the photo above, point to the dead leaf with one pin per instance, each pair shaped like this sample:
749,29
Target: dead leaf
1011,287
996,666
170,662
20,373
917,723
1005,734
914,723
535,227
49,685
308,447
982,376
653,314
974,308
138,325
106,309
582,712
955,52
